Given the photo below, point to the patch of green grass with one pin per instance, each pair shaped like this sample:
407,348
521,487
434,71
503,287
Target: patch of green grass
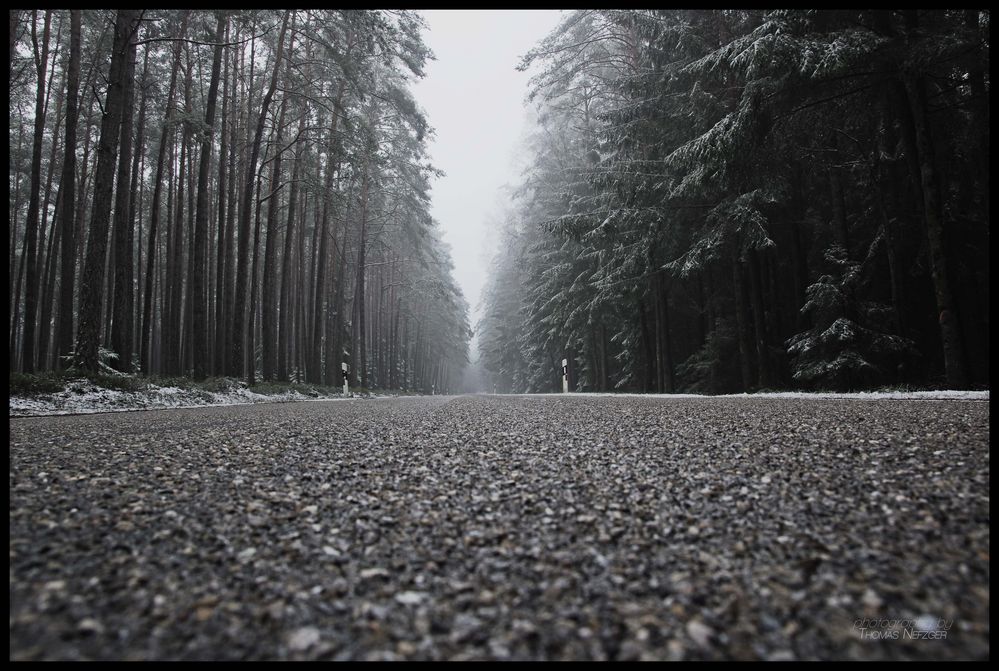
212,384
55,381
118,382
32,384
168,381
269,388
215,384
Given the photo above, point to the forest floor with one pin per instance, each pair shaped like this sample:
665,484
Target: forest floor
63,394
505,527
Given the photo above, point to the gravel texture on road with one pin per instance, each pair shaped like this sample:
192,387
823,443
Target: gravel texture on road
504,527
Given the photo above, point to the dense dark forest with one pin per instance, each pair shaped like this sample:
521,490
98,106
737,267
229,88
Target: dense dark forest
227,193
737,200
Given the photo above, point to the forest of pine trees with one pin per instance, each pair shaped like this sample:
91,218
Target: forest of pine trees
737,200
234,193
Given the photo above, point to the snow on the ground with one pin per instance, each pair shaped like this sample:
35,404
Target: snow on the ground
84,397
939,395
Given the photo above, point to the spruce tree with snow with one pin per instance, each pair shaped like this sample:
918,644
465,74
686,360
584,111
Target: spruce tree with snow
847,348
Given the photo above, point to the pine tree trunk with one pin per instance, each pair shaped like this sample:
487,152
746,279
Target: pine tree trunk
649,357
270,300
378,318
224,235
604,359
239,331
798,262
394,358
329,343
187,332
837,200
31,227
84,179
315,291
338,306
950,333
773,314
226,363
667,345
171,331
759,320
883,176
405,354
121,336
361,244
166,286
301,301
742,328
250,361
319,283
199,294
319,276
48,289
14,295
166,134
135,219
49,225
87,341
284,309
657,335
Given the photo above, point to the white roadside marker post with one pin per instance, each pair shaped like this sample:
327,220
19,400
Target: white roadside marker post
346,369
565,376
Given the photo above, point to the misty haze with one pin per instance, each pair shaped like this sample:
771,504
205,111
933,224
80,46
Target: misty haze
499,334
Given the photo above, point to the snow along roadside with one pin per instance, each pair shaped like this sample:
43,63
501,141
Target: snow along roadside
84,397
941,395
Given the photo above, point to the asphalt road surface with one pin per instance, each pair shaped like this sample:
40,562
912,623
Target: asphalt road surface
504,527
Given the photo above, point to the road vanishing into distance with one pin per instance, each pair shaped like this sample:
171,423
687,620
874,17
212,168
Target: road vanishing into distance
504,527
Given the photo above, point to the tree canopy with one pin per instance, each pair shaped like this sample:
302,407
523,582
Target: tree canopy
734,200
237,192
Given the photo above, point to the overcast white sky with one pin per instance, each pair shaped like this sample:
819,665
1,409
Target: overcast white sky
474,98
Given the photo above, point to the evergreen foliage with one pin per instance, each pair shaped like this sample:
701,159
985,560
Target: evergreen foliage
269,198
731,200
